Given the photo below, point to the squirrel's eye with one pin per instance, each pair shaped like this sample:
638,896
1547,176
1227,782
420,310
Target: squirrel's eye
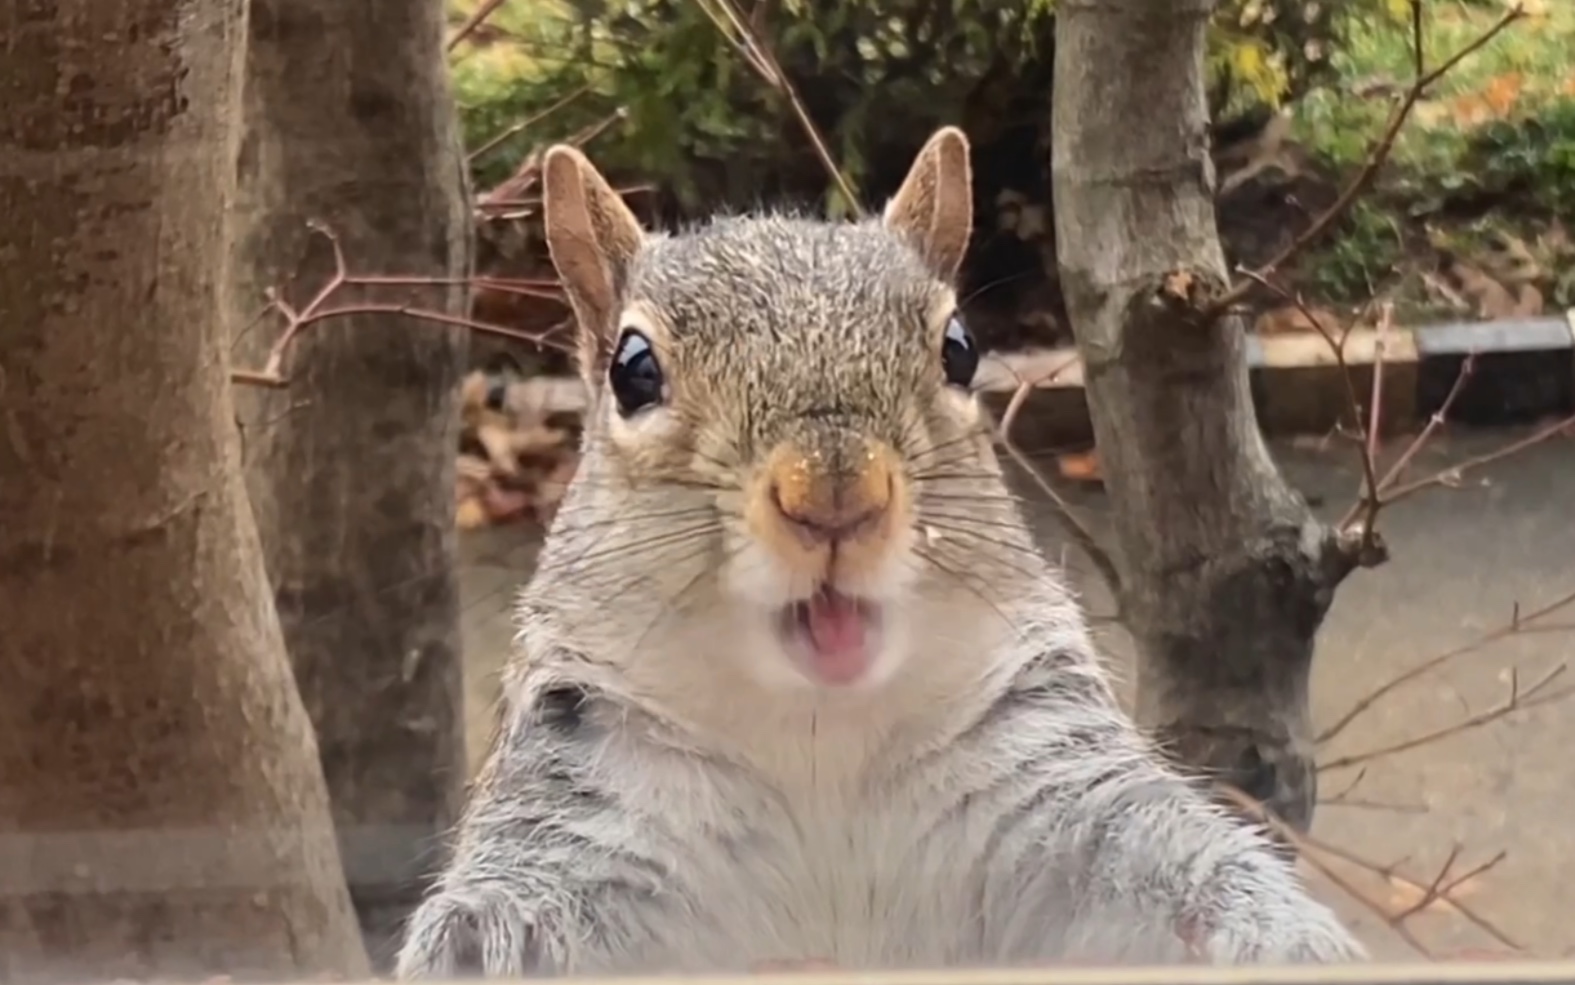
959,354
635,375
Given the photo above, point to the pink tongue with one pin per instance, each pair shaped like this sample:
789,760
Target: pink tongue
837,630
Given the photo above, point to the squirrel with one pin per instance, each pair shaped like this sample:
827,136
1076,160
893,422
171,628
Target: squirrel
792,681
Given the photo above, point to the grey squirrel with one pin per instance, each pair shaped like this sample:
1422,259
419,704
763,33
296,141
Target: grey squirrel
792,681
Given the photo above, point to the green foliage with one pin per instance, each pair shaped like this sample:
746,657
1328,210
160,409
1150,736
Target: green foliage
1533,155
1360,259
876,78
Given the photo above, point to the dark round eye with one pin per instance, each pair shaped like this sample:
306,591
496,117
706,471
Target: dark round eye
959,354
635,375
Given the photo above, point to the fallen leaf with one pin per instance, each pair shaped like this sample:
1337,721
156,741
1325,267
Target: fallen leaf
1451,296
1491,299
1406,894
1080,466
1503,91
1178,284
471,514
504,504
499,443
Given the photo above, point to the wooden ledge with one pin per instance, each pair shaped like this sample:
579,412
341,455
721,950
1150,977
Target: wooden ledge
1525,371
1449,973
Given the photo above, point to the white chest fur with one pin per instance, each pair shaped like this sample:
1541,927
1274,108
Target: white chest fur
827,868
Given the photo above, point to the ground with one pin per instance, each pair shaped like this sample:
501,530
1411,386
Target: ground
1463,559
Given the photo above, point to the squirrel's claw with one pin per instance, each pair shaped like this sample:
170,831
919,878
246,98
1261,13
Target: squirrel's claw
491,934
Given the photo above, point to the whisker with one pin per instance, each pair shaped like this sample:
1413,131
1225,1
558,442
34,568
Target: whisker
961,581
674,602
625,520
666,538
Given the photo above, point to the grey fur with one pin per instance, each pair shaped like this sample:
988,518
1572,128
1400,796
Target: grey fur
656,801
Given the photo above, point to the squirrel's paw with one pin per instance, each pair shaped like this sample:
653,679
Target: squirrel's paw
485,933
1294,931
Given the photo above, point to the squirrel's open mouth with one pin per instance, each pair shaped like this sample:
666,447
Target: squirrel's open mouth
834,636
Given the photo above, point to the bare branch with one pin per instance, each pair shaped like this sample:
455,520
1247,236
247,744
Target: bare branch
751,45
1081,535
1436,421
526,123
1366,549
1518,624
1453,474
486,9
1376,158
1533,696
316,310
1440,889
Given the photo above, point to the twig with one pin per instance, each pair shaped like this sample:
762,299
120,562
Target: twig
526,123
1436,421
1517,700
1317,854
473,22
1081,535
1376,158
1454,473
1367,550
1344,799
272,375
1518,624
749,44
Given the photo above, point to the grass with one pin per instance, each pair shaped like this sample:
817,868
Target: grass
1490,152
1523,72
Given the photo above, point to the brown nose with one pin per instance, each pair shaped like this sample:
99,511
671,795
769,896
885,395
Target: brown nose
824,524
824,508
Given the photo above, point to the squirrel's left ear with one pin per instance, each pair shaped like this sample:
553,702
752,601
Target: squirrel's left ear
593,238
933,210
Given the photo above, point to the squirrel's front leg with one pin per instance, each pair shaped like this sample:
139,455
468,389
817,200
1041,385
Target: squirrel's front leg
478,932
1152,841
536,850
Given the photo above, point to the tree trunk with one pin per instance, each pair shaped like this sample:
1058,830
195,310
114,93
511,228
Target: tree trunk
162,811
1226,574
348,122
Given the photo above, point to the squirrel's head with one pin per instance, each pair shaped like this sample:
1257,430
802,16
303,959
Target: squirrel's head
783,422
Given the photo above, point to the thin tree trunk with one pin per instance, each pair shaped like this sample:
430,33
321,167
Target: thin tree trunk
162,810
1226,574
349,122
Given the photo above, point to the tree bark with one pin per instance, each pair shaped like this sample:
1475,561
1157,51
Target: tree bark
348,121
1226,574
162,810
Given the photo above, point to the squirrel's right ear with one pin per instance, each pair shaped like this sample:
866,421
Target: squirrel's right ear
933,210
593,238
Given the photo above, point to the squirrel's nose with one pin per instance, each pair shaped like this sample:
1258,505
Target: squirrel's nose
824,507
825,520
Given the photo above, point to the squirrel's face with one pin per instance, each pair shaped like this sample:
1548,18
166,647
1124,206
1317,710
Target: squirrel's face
806,384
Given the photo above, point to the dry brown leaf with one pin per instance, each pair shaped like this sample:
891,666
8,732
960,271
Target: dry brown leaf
1406,894
1490,298
504,504
537,441
471,469
471,514
1528,302
1503,91
499,443
1178,284
1080,466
